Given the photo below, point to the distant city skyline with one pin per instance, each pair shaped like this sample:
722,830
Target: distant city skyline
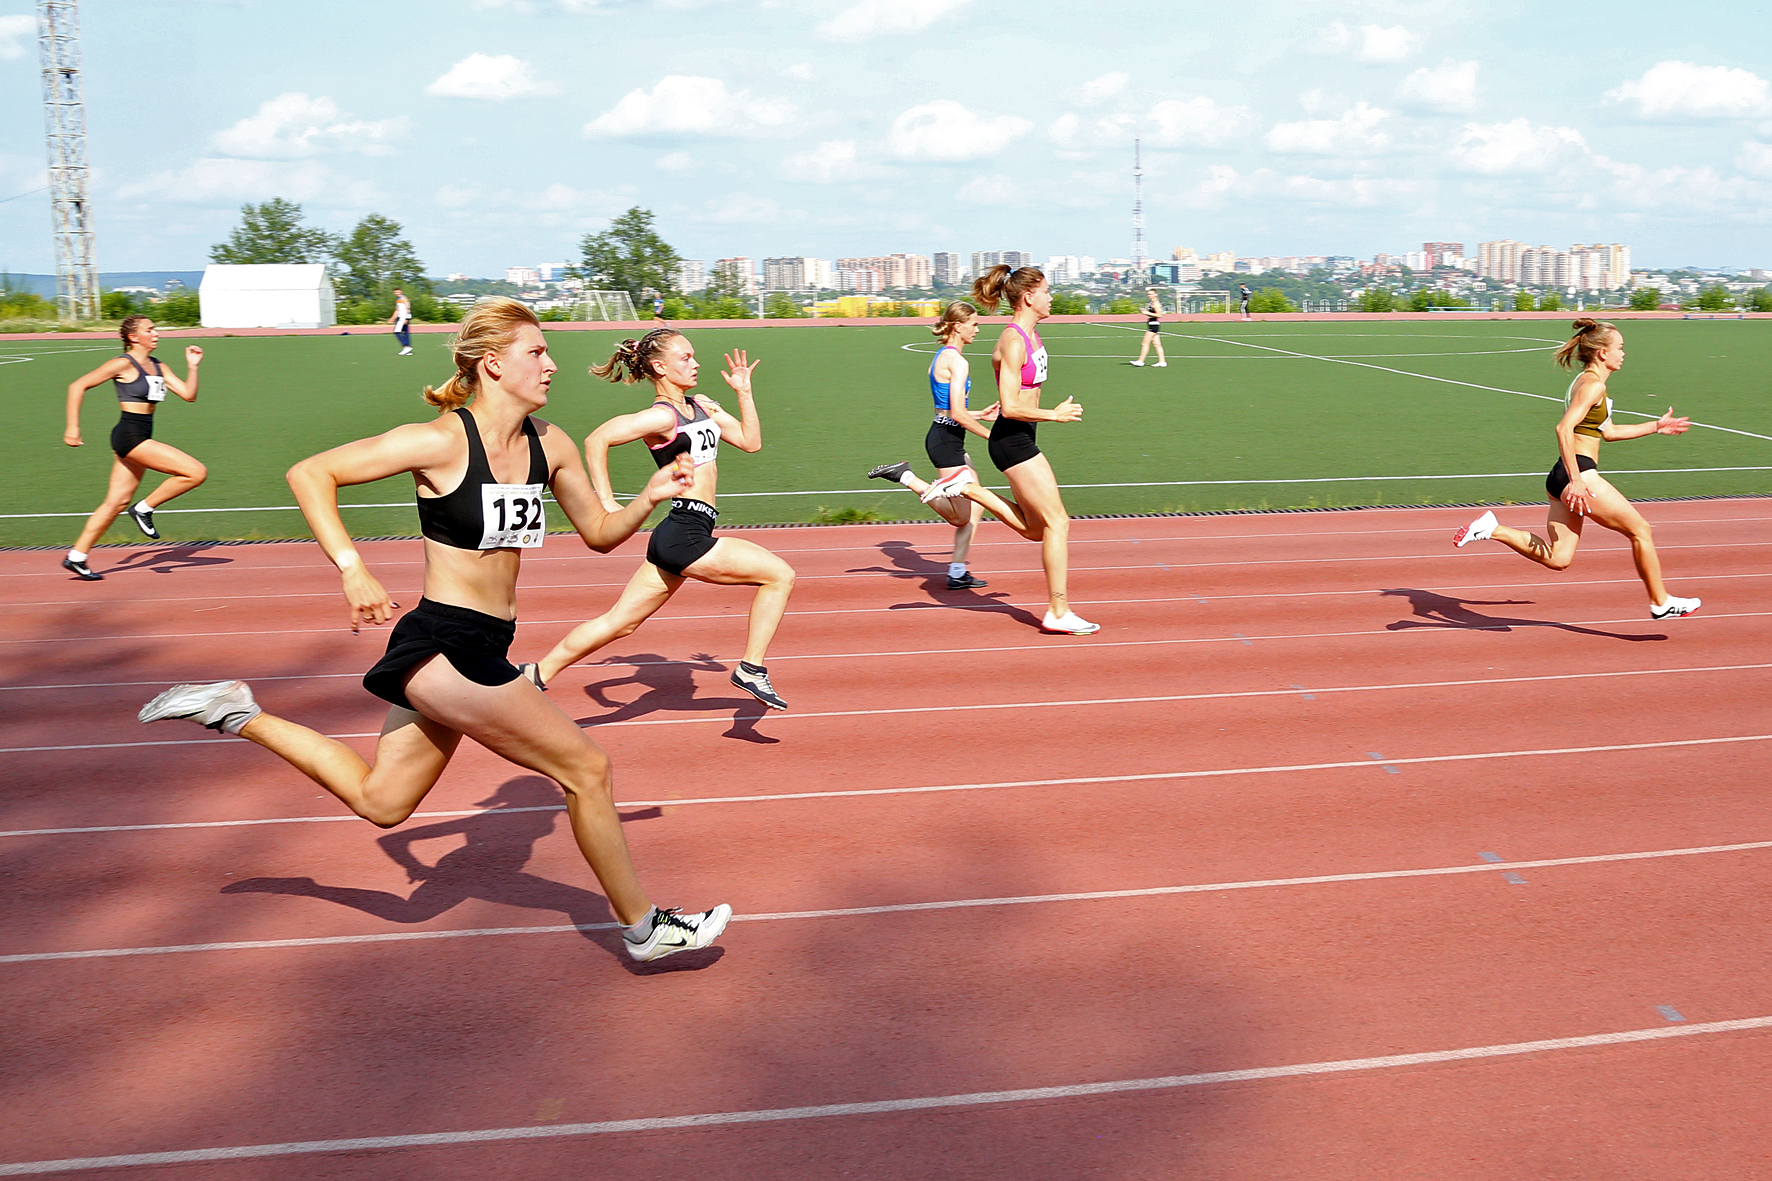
497,131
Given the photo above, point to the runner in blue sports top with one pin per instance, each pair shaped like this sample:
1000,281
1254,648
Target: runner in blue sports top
683,545
950,383
142,382
480,474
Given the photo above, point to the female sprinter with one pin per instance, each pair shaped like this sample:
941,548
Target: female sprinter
480,476
141,382
1599,347
950,384
1153,331
1037,511
683,545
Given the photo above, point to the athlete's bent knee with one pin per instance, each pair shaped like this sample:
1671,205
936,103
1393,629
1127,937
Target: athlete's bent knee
197,475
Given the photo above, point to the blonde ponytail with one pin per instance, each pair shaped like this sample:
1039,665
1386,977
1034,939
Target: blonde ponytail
1001,284
490,326
1590,337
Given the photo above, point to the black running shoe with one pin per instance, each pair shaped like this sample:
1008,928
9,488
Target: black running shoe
144,520
532,674
889,472
965,582
82,570
755,681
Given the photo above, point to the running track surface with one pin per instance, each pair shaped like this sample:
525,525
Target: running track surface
1315,863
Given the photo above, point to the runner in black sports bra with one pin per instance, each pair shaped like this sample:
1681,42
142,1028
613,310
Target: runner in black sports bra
133,445
1153,331
446,673
683,545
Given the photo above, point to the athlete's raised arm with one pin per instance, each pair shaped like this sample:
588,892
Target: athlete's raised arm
603,528
623,428
187,387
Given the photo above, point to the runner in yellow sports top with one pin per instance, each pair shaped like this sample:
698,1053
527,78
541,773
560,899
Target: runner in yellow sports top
142,382
480,474
1587,421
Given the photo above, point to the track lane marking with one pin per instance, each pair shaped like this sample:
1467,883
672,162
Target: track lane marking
1500,868
1211,773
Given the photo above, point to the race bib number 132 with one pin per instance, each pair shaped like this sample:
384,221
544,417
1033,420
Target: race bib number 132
512,516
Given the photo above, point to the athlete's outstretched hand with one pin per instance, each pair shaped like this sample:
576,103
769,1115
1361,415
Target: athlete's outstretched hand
1068,411
738,370
369,602
1667,424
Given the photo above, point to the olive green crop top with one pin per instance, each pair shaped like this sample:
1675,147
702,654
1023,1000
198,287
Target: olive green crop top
1596,415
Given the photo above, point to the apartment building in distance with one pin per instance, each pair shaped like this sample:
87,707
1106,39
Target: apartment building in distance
1596,267
739,269
692,275
984,260
896,270
948,267
798,273
1069,268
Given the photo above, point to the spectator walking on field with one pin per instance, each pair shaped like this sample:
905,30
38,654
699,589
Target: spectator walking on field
402,321
1244,295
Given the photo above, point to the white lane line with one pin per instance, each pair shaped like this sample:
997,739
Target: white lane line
591,671
668,1123
781,797
1449,381
892,908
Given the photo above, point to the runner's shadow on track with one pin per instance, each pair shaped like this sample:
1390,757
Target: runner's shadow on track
906,560
168,559
1444,611
670,688
488,867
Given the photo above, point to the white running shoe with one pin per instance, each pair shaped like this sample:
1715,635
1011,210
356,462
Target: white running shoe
952,486
1140,364
1071,625
673,931
1481,529
755,681
1673,608
1161,365
219,705
407,351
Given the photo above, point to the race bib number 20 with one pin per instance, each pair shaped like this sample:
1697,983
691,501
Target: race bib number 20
156,388
512,516
704,440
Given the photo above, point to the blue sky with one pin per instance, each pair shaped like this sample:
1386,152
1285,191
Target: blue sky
500,131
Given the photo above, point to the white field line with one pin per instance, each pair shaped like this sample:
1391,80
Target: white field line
1450,381
850,793
893,908
290,508
668,1123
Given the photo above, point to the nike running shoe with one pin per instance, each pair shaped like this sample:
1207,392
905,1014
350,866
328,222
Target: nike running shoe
1481,529
1673,608
966,582
82,570
673,931
1071,625
144,520
890,472
952,486
219,705
755,681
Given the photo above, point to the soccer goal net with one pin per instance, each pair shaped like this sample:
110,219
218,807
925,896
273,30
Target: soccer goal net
605,305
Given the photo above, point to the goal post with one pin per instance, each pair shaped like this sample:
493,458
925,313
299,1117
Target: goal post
604,305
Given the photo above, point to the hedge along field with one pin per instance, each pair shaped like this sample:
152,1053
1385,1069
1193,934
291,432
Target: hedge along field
1251,404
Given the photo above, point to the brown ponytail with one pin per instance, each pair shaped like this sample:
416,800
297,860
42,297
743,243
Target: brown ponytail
952,316
1590,337
633,359
1000,284
130,324
490,326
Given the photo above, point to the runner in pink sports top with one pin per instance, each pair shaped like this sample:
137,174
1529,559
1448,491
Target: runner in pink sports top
1037,511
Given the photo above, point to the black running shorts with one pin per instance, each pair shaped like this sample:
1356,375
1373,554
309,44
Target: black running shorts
1559,475
477,645
131,431
1012,442
683,537
946,444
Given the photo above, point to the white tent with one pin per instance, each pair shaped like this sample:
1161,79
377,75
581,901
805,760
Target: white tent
267,295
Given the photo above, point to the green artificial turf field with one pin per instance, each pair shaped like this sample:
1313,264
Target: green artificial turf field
1240,409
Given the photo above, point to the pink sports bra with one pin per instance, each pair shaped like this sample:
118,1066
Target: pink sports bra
1033,368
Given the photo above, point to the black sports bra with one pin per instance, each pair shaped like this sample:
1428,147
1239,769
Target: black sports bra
698,436
144,387
482,513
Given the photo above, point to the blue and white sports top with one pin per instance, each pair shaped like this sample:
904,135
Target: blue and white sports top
942,391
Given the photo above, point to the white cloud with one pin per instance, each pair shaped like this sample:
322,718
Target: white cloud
1516,146
945,130
990,190
1686,191
1675,89
213,180
830,162
1221,182
741,208
686,105
801,72
676,162
1073,134
499,77
1356,131
294,125
1449,86
1103,88
15,31
1755,159
872,18
1368,43
1201,121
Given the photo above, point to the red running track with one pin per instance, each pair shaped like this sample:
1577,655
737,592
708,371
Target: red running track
1336,854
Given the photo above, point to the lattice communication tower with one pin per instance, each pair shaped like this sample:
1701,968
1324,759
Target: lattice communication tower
64,113
1139,265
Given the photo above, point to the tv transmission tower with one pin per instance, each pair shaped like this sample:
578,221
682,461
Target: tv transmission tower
1139,266
64,113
